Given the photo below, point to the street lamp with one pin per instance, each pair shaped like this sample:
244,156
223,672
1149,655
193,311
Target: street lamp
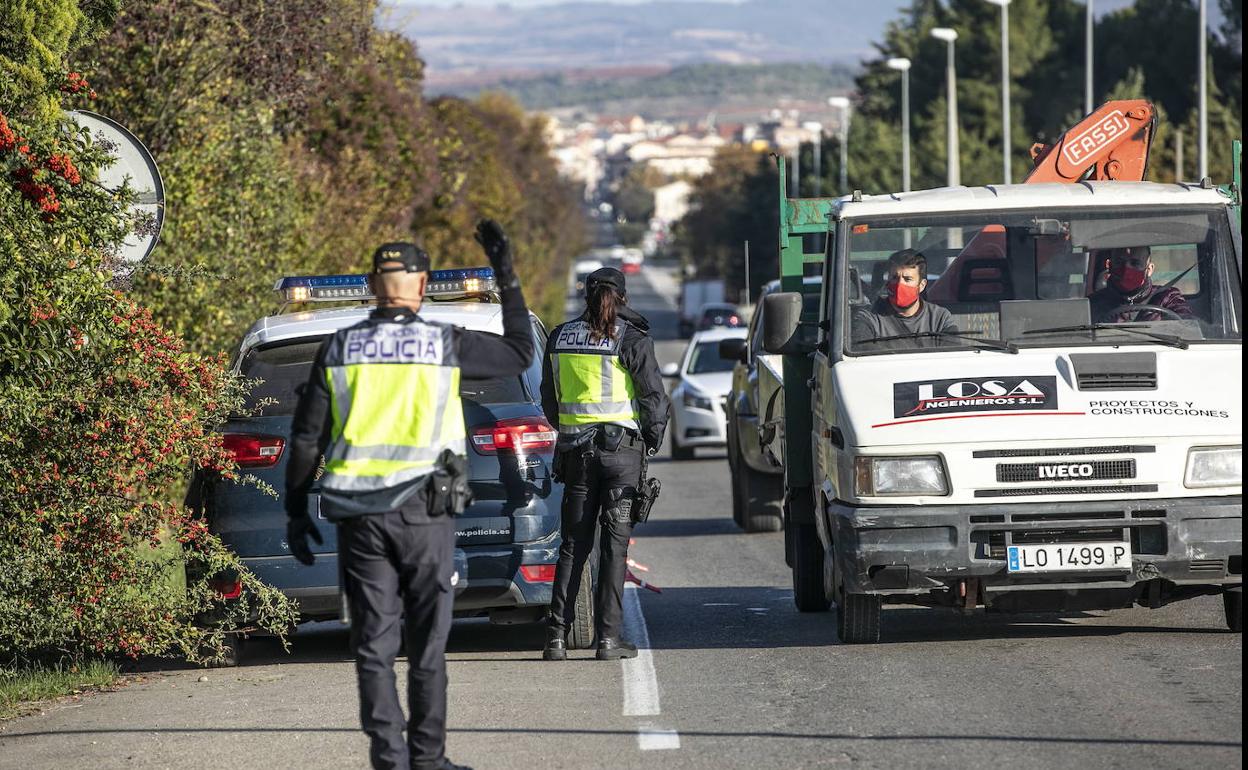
902,65
953,162
1005,87
1090,24
842,103
1203,138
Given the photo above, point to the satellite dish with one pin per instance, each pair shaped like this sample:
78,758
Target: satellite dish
132,162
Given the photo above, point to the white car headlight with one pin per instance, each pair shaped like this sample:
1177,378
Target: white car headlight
877,476
1215,467
695,400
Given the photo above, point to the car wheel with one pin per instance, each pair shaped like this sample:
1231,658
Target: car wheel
808,592
233,652
679,452
1233,606
734,468
581,633
761,497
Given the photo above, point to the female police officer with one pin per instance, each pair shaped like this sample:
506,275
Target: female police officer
601,386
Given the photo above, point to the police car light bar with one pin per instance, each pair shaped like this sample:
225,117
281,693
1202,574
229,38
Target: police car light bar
443,284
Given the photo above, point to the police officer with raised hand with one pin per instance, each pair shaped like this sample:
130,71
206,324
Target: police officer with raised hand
382,406
601,385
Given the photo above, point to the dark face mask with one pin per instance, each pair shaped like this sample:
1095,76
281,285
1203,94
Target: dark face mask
1127,278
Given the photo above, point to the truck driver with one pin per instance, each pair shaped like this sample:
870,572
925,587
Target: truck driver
1130,286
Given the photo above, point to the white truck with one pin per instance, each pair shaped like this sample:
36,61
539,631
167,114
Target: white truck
1052,454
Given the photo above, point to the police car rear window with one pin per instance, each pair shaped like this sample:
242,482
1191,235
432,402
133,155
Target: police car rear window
278,370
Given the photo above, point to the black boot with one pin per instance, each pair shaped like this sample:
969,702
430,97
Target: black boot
556,645
614,649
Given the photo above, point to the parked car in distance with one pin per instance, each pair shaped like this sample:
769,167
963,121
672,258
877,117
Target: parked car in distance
582,269
508,536
719,314
697,399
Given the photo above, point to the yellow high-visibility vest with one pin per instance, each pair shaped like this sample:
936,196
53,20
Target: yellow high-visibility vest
591,383
394,397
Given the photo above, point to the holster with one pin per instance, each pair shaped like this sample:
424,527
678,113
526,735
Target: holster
449,492
647,495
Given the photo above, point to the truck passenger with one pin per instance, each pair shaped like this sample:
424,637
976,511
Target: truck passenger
1130,285
901,311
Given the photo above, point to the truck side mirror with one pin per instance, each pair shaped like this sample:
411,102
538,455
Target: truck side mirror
783,330
734,349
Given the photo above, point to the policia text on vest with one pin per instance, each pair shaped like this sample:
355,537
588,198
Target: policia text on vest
382,406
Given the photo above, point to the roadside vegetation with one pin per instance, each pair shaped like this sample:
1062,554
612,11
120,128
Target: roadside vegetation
19,688
293,137
1145,50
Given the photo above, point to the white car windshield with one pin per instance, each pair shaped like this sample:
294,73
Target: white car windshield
1011,280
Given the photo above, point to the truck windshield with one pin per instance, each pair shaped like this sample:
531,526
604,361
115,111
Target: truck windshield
1134,276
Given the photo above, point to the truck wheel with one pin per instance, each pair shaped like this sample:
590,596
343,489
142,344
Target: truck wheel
858,618
1233,605
808,592
760,500
581,633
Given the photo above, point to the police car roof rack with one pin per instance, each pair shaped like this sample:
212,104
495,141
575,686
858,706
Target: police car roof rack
444,286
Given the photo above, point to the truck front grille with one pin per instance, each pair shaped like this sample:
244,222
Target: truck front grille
1081,489
1094,470
1129,449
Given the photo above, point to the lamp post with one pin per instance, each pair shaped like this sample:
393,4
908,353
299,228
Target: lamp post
842,103
902,65
953,163
1090,25
1005,88
1203,139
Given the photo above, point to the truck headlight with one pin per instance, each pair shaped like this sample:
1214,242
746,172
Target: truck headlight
900,476
695,400
1214,467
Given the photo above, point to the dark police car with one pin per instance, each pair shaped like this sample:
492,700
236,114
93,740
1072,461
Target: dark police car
508,539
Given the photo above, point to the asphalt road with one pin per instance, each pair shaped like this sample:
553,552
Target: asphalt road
731,675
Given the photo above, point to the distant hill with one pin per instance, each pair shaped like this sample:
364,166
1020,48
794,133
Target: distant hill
464,43
684,91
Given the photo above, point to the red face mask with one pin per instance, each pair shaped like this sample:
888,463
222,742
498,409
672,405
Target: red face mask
902,295
1125,278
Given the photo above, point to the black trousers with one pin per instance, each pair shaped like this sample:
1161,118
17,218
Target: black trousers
588,479
397,567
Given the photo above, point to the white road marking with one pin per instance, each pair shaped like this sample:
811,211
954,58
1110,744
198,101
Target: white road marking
719,604
657,739
641,685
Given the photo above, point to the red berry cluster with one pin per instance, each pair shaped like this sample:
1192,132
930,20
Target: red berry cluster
75,83
61,165
30,177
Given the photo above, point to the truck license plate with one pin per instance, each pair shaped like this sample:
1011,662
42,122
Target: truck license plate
1065,557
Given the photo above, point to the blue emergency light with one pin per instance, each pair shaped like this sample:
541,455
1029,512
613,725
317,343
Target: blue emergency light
443,284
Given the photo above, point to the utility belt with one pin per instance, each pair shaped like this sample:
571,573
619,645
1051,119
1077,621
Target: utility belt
624,505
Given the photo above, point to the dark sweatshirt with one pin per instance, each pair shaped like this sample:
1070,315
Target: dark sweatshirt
481,355
637,356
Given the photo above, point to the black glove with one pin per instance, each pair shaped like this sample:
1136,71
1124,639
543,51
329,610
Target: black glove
298,530
496,246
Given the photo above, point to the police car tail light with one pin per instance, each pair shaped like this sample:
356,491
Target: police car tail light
523,435
253,451
538,573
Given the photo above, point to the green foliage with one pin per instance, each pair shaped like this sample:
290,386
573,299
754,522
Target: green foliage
102,411
46,682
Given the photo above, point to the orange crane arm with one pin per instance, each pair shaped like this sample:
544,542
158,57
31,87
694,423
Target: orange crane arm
1111,143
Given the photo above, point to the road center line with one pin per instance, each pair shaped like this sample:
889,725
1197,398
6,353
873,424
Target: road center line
641,685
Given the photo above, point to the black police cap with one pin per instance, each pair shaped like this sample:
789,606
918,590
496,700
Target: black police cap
412,258
605,276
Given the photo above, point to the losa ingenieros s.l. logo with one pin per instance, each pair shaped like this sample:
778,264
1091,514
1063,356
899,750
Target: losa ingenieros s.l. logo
977,394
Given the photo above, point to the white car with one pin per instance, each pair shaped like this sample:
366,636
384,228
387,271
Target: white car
582,269
698,399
